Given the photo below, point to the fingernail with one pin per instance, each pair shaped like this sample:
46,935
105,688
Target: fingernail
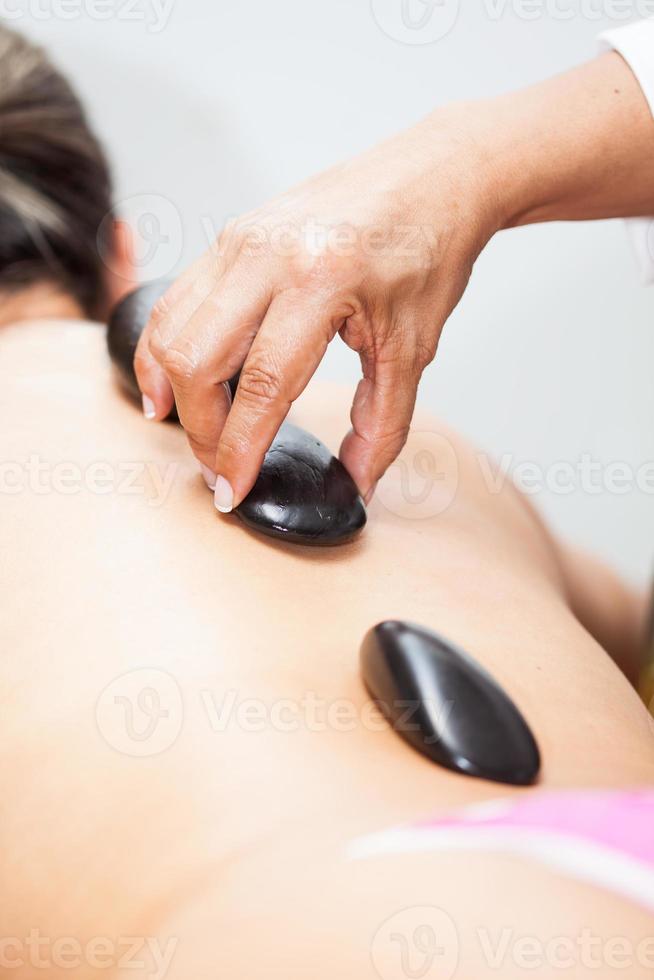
223,495
149,410
371,493
209,476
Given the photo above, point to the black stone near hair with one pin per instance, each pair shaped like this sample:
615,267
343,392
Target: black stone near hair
126,324
446,705
303,494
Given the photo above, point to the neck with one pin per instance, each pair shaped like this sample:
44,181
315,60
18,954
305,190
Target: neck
39,302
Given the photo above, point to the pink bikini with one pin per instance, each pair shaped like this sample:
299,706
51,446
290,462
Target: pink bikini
599,836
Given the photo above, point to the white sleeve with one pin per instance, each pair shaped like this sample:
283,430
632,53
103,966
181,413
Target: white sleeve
635,43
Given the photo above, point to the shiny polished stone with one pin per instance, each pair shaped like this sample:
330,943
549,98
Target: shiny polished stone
446,705
303,494
126,324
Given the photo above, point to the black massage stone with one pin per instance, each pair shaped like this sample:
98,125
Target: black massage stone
302,494
126,324
446,705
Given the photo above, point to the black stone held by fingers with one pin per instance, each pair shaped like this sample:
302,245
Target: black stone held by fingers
444,704
302,494
126,324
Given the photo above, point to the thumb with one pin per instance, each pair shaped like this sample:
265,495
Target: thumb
381,416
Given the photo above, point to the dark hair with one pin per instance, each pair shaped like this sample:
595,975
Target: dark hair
55,185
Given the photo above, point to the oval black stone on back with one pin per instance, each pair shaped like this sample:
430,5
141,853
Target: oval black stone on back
303,494
444,704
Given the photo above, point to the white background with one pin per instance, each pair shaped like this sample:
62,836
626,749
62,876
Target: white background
549,355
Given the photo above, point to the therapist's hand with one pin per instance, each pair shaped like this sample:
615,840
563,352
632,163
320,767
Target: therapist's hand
378,251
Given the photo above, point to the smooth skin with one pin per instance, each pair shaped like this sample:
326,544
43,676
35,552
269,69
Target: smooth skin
380,250
229,840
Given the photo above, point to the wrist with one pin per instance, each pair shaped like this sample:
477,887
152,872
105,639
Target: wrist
508,173
578,146
462,164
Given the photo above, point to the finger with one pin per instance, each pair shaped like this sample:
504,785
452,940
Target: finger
177,305
287,350
156,390
381,416
203,356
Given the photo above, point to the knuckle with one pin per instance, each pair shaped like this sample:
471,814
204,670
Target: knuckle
201,446
423,355
398,436
233,447
358,333
385,433
259,384
251,243
155,345
389,434
160,310
229,242
179,364
422,359
324,269
142,360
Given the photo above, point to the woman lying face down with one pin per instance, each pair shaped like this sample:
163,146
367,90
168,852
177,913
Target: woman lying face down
197,779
